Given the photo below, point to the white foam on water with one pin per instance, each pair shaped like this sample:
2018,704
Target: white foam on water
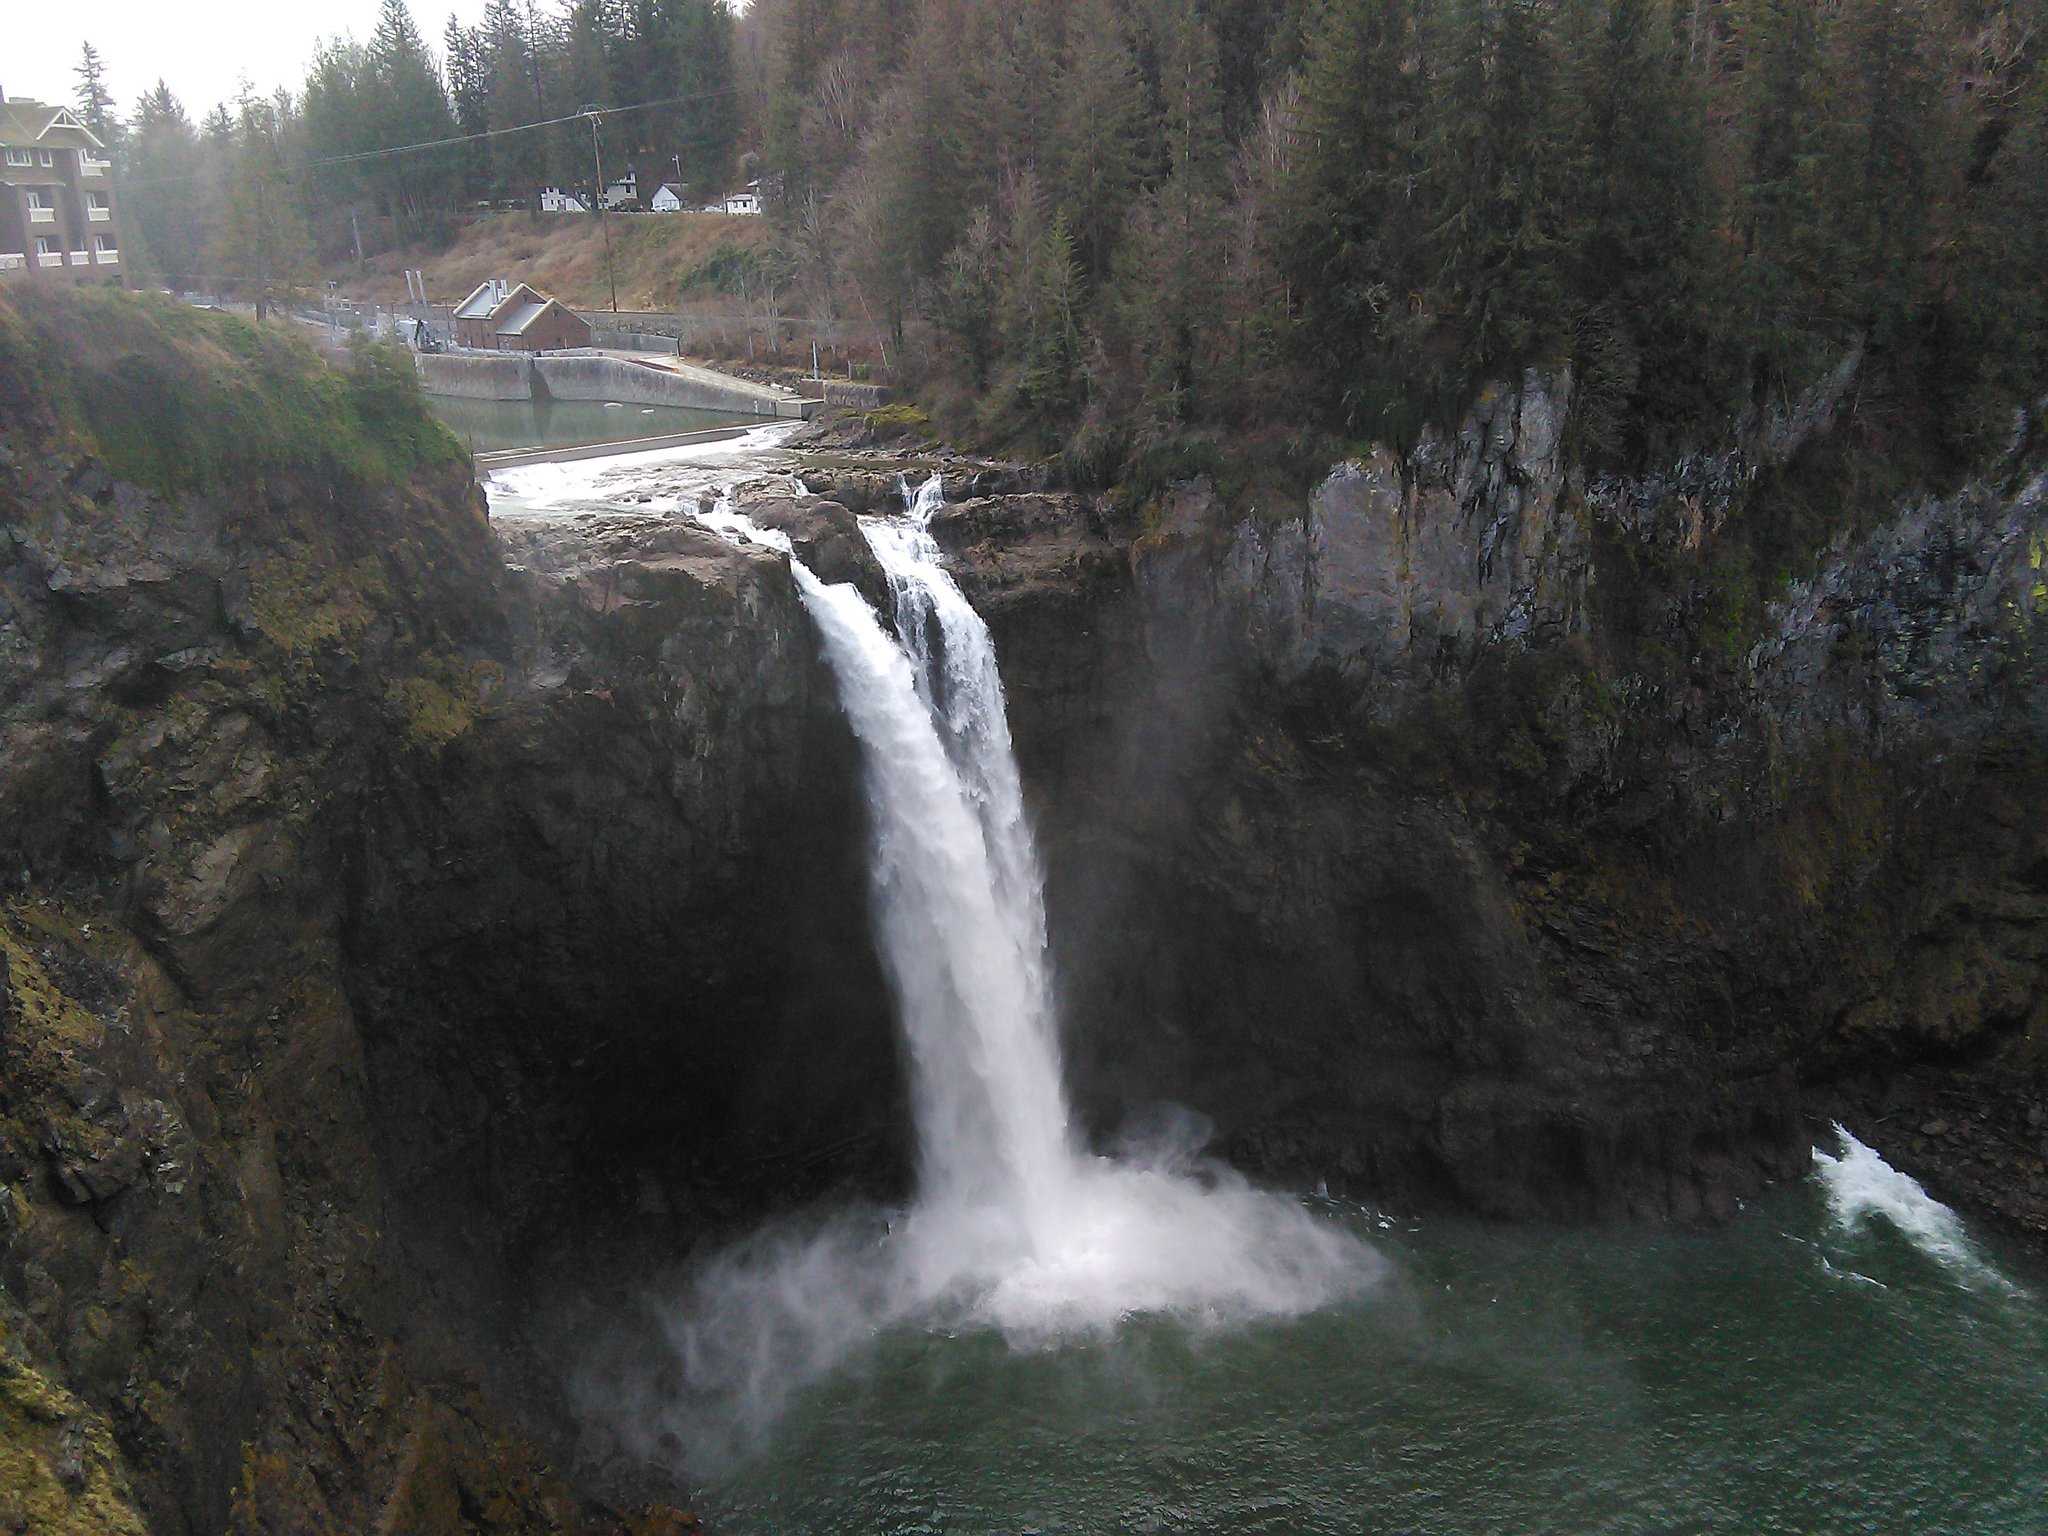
1016,1227
566,488
1861,1187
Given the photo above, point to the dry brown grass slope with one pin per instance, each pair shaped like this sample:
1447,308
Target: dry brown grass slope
562,254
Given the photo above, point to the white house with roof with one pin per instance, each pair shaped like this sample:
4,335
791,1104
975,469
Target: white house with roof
668,198
555,200
623,193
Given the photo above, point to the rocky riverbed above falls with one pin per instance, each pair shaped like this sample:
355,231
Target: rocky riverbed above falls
391,897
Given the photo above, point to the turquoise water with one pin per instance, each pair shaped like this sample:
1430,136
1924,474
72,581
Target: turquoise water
1784,1374
486,426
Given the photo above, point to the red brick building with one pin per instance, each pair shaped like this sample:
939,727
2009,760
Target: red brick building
511,317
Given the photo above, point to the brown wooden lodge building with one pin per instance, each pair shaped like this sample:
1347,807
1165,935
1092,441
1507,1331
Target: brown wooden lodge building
57,222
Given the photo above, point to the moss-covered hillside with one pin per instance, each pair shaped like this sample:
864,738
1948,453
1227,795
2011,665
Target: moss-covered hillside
175,398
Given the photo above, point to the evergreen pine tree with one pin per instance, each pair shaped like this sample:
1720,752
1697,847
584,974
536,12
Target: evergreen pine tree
1096,132
1779,218
1640,205
164,196
1171,266
1347,234
261,248
95,102
1491,181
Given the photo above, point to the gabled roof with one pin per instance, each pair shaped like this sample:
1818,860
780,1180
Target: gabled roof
484,299
518,320
37,125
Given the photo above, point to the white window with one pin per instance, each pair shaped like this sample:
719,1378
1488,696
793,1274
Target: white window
20,157
103,243
37,200
45,157
45,246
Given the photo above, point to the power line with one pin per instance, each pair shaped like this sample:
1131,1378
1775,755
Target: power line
468,138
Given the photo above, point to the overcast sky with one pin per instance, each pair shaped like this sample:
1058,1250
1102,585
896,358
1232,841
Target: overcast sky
202,47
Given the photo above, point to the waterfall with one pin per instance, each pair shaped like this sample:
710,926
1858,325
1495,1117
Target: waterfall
956,886
1014,1221
1016,1226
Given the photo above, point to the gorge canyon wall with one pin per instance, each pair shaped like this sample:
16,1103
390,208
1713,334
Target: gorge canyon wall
391,901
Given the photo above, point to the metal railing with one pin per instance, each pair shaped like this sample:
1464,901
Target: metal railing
91,167
42,215
98,215
81,258
49,258
107,258
13,261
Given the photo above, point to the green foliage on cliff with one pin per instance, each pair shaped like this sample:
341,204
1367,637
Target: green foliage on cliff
182,399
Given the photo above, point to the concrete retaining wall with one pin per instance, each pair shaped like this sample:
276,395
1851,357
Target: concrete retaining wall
588,375
568,377
634,341
468,376
862,397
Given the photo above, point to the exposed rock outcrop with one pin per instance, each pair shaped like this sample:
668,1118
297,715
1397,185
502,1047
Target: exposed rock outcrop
1400,572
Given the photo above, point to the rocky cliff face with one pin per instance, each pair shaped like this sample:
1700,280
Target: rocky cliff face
1428,850
391,905
379,904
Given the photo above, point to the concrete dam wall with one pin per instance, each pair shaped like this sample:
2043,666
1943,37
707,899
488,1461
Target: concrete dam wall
594,376
476,376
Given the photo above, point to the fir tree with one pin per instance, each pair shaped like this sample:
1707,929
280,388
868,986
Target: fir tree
1096,132
95,102
1491,178
261,249
1348,237
1779,215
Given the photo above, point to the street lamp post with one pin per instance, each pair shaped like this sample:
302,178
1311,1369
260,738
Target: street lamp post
591,111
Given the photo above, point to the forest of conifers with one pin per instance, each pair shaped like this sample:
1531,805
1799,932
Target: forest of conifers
1121,224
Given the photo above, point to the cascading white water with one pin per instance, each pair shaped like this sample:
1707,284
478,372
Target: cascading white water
1013,1220
1015,1225
956,885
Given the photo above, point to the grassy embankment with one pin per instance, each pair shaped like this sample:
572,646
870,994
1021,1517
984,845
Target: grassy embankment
181,399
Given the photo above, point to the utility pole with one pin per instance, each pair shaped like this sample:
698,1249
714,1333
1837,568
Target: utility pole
591,111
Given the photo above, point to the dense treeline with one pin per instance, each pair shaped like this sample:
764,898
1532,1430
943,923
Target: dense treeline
1159,214
242,198
1121,223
